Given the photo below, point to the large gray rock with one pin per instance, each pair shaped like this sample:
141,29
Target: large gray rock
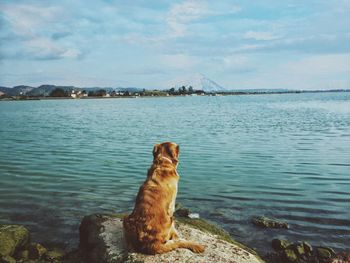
101,240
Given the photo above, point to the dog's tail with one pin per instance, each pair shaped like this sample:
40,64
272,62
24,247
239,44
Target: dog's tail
159,248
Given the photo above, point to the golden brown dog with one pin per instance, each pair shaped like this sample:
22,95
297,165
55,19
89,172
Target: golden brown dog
150,228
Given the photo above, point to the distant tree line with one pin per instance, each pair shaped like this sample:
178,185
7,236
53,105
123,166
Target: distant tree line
97,93
58,92
184,91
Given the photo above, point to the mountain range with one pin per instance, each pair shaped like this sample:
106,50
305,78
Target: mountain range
45,90
197,81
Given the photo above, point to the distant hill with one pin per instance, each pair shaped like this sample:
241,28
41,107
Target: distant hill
45,90
17,90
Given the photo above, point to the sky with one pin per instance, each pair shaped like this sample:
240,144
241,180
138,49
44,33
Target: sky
151,44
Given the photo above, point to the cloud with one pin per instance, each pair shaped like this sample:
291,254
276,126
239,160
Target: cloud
26,20
183,13
313,72
60,35
320,65
35,28
188,11
146,71
179,61
316,44
264,36
150,41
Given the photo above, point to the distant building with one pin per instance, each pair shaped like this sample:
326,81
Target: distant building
73,94
78,94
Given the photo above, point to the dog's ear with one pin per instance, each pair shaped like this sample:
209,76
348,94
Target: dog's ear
156,150
174,150
177,151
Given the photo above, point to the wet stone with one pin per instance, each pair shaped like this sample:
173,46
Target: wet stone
12,239
266,222
279,244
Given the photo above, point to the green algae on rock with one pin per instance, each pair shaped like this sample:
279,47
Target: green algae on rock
36,251
15,247
7,259
290,255
54,256
12,239
325,253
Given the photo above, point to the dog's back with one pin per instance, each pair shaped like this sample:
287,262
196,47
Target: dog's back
150,227
151,220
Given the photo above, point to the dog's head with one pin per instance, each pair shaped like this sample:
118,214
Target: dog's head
166,150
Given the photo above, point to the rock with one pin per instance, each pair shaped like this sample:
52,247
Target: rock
99,233
54,256
307,247
101,241
279,244
75,256
217,212
266,222
298,249
36,251
325,253
290,255
7,259
178,206
12,239
301,252
343,257
182,212
22,255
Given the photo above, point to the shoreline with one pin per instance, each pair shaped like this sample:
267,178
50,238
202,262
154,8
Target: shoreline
215,94
101,241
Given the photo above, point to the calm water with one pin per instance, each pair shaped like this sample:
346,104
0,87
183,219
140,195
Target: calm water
283,156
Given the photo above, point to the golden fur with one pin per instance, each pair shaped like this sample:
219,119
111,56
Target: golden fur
150,227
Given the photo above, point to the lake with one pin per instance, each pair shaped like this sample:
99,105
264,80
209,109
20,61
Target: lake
285,156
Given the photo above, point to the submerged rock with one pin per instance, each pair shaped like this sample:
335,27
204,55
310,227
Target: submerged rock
101,241
300,252
217,212
12,239
266,222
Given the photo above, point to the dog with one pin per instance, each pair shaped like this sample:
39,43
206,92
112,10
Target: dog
150,228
